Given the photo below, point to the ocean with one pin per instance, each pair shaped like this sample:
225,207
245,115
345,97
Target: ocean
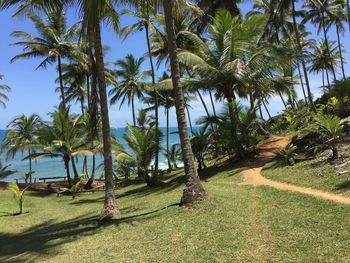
54,167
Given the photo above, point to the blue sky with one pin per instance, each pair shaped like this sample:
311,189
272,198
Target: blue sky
33,90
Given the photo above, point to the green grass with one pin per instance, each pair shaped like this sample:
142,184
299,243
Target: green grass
235,224
315,174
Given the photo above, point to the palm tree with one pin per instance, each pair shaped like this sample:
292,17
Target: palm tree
22,137
194,190
331,129
143,147
316,14
200,143
64,137
3,96
143,14
233,63
173,155
92,12
323,60
337,15
53,42
131,82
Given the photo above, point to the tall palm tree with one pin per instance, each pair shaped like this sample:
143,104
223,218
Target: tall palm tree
194,190
131,82
336,16
65,137
22,136
53,42
92,13
143,144
144,15
324,57
317,14
3,96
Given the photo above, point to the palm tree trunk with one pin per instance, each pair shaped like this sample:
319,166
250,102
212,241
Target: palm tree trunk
189,119
327,45
133,110
205,107
323,82
110,210
302,84
300,49
340,53
155,177
88,92
30,165
167,138
283,101
260,112
212,102
63,103
266,108
66,165
328,81
194,190
75,171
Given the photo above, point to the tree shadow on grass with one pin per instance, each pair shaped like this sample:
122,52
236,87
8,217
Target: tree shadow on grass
343,186
45,238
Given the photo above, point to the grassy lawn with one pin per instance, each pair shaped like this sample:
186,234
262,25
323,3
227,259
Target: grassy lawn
313,174
236,224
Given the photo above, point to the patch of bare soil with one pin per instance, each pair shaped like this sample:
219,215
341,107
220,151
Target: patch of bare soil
267,150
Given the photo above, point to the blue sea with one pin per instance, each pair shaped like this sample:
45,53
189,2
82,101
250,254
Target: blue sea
54,167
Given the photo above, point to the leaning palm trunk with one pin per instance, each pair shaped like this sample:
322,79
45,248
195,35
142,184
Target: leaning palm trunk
300,50
302,83
194,190
327,46
110,210
155,177
340,53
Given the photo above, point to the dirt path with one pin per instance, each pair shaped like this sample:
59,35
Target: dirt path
267,151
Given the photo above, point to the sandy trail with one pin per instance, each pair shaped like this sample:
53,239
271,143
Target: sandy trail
267,151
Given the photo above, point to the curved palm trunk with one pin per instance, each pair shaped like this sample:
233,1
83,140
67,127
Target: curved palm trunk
194,190
110,210
327,46
302,83
205,107
155,177
266,108
283,101
167,138
300,49
340,53
63,103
